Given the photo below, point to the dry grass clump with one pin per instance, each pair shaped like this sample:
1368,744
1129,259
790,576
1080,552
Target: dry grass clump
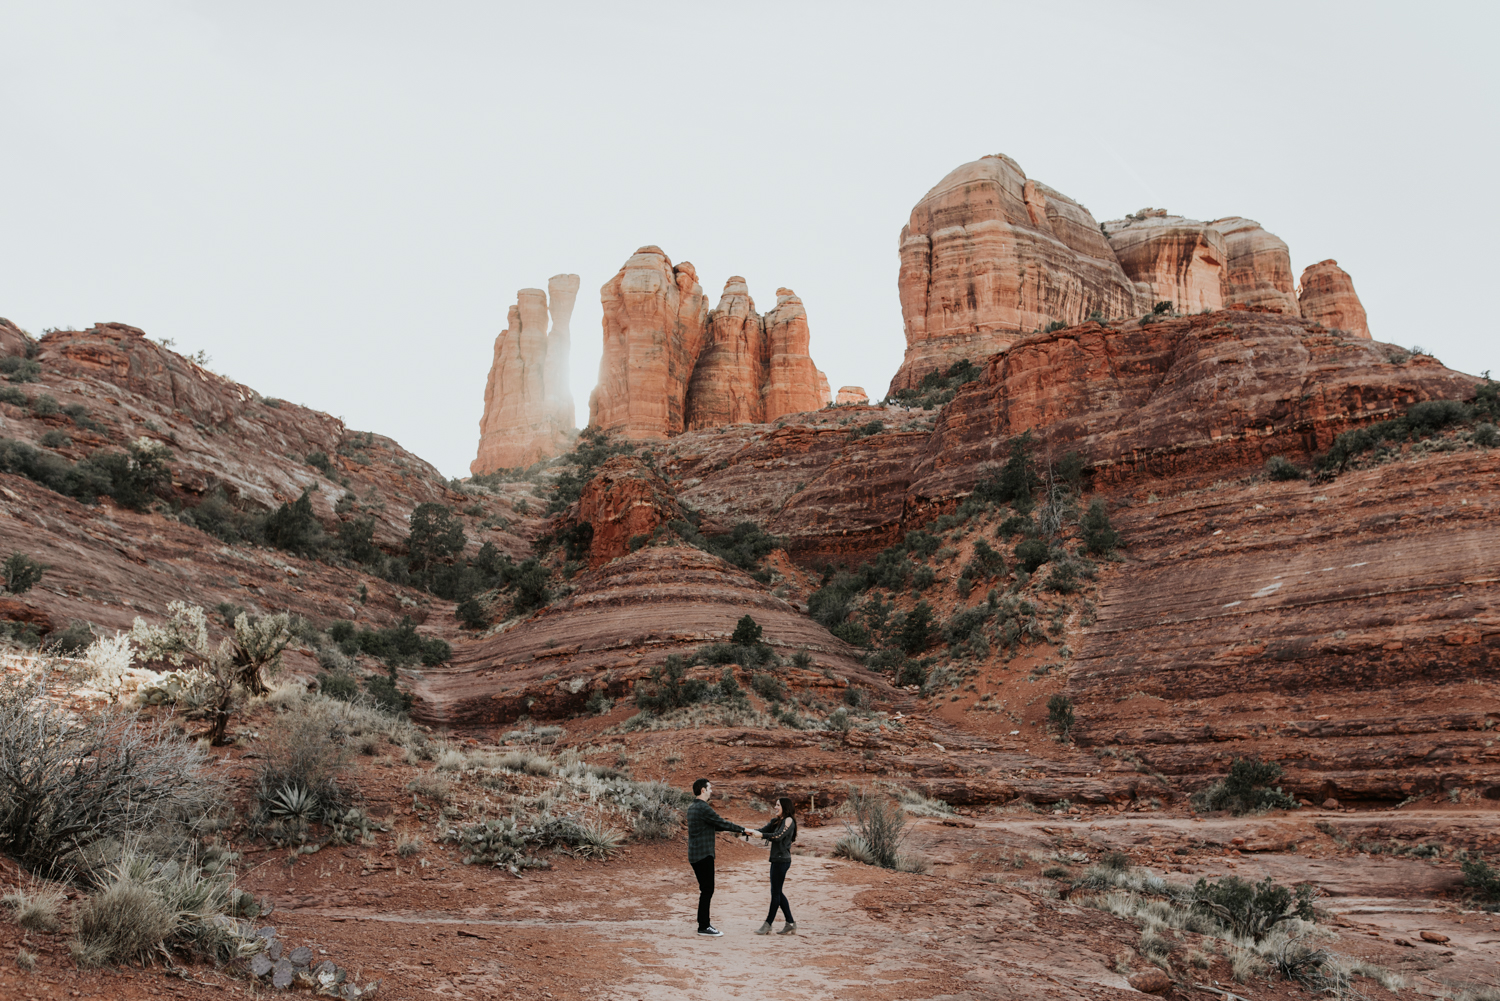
25,960
35,910
408,844
878,834
432,786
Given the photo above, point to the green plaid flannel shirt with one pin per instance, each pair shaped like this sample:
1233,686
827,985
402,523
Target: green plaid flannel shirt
702,822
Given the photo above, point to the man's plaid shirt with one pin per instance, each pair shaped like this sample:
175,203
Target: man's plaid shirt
703,821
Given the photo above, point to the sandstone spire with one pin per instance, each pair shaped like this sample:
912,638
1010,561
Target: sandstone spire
1258,266
655,316
726,384
792,385
1171,259
528,410
989,256
1326,294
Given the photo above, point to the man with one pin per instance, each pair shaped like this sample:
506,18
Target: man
702,822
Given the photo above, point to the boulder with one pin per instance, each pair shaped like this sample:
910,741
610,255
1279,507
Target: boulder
852,394
528,408
1258,269
655,322
1171,258
990,255
1326,294
1152,981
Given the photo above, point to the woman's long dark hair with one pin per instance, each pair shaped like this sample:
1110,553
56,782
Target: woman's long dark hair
788,815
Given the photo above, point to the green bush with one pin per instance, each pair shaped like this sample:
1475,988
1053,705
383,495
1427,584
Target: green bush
1060,714
746,632
339,685
357,540
1099,536
1251,910
18,369
592,449
668,688
1031,554
938,388
1017,480
472,614
387,696
1486,435
1279,467
917,630
1247,787
72,640
295,528
21,573
14,396
1483,879
321,462
56,439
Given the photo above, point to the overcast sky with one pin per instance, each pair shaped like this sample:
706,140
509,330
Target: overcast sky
338,202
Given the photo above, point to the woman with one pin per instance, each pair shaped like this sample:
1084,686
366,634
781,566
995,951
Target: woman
779,834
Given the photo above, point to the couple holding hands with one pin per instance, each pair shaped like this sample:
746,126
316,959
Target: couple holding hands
703,822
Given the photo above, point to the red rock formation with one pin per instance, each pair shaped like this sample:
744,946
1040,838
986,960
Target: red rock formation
727,382
852,394
988,255
825,392
13,340
655,317
792,385
528,408
625,499
1258,271
623,618
1176,260
1327,295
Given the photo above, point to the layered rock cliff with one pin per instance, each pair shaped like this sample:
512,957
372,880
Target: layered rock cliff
989,254
1258,267
1171,259
1326,294
670,364
528,407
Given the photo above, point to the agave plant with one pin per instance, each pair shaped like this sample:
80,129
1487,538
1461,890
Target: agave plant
293,801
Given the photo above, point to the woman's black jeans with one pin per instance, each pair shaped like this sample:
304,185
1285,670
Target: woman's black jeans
778,899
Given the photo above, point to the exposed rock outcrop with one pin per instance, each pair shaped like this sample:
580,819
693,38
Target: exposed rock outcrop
825,391
1177,260
624,500
1326,294
528,407
655,321
852,394
1258,269
624,618
988,255
670,364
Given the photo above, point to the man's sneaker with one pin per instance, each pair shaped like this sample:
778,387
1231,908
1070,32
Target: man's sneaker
710,930
790,928
764,929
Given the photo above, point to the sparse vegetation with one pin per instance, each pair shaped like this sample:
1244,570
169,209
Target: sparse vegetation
21,573
1280,468
1246,788
1060,715
937,388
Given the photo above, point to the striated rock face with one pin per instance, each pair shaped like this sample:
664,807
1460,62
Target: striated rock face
623,618
727,381
825,392
1326,294
528,408
669,364
988,255
13,340
625,499
1176,259
655,321
1258,269
852,394
793,383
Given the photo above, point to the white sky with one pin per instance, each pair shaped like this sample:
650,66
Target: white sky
339,201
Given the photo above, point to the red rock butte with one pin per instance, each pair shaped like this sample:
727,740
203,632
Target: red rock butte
670,364
528,407
989,256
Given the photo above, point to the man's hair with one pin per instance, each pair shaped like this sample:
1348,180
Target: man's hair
698,785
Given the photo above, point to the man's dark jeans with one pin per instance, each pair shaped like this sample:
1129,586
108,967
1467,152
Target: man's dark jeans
778,899
704,870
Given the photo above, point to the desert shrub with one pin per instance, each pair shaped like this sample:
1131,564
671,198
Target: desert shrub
531,590
746,632
304,758
917,629
13,396
295,528
56,439
35,910
436,535
937,388
961,625
1433,415
399,645
72,640
1279,467
386,695
599,702
1245,788
1060,714
1486,436
1015,524
319,460
592,449
1099,536
668,688
357,540
1483,879
21,573
1031,554
338,685
1062,577
1016,481
879,827
19,369
986,563
1251,910
69,782
768,687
